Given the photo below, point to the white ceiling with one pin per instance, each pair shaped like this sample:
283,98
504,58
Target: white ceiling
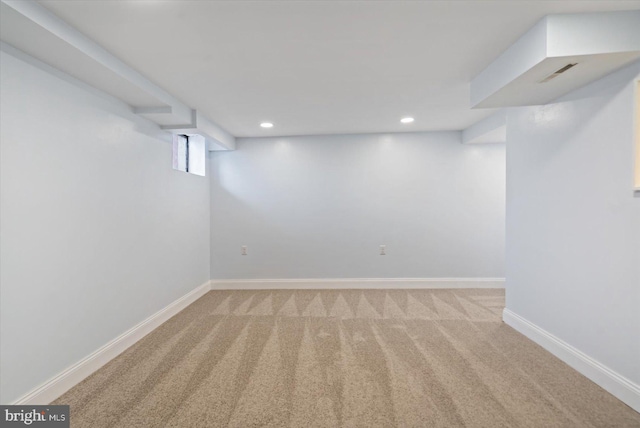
315,67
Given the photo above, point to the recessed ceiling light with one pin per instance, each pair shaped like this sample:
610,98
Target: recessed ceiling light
406,120
266,125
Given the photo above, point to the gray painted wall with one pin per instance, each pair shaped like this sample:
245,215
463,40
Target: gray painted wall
573,223
320,207
98,231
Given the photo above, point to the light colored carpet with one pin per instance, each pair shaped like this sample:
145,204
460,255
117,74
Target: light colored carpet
341,358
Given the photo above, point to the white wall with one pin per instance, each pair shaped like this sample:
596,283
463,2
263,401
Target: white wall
573,222
320,207
98,231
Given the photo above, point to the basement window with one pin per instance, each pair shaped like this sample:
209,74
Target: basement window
189,154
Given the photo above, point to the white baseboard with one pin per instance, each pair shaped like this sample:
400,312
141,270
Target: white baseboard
61,383
619,386
351,283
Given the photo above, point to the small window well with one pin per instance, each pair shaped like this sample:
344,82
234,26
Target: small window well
189,153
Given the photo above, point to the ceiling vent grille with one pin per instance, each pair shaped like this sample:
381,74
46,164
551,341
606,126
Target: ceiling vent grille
558,72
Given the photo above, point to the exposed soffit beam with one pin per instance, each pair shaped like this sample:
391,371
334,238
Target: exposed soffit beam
597,43
492,129
173,110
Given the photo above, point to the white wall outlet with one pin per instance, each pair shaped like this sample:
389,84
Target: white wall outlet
243,250
383,250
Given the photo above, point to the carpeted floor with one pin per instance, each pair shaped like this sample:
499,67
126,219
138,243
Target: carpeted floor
341,358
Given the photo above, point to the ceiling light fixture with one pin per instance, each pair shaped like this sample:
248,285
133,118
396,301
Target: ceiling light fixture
266,125
406,120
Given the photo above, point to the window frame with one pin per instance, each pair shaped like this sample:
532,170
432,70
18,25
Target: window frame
636,181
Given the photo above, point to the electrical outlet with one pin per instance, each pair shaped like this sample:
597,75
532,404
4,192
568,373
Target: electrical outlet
383,250
244,250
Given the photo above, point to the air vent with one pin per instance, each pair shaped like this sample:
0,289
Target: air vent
558,72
